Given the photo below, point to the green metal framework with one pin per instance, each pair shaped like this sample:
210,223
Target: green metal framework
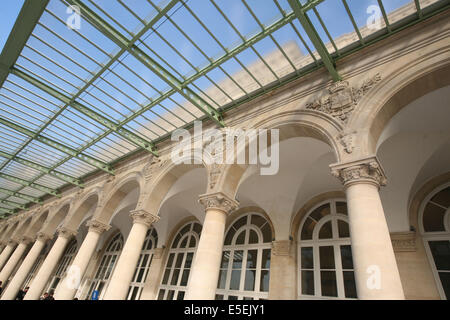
77,100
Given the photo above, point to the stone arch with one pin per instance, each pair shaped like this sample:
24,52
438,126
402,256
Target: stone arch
11,228
37,222
114,192
56,216
396,90
161,179
303,123
80,208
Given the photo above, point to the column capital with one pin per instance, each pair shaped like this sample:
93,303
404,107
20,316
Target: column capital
219,201
12,241
66,232
97,226
42,236
26,240
367,170
143,217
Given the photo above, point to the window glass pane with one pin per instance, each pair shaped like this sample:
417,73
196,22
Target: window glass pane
229,236
445,281
307,258
349,284
197,228
266,259
225,259
308,228
237,259
346,256
188,262
219,297
433,218
170,294
441,254
344,231
183,243
341,208
252,257
326,257
321,212
180,295
267,233
232,298
192,242
257,220
185,278
161,294
253,237
328,283
326,232
241,238
170,261
308,282
175,274
264,284
235,279
442,197
239,223
179,260
249,284
166,276
222,279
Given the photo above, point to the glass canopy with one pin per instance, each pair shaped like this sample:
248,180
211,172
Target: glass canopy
86,83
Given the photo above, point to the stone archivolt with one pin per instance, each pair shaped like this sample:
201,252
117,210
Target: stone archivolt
358,171
219,201
342,99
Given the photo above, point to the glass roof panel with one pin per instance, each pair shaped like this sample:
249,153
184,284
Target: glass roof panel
197,57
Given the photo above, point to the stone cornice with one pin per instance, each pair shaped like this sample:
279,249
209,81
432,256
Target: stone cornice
404,241
219,201
143,217
66,232
97,226
366,170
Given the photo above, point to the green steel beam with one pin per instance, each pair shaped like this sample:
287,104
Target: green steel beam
149,62
26,21
6,212
34,165
314,37
30,184
21,195
59,146
126,134
311,4
14,204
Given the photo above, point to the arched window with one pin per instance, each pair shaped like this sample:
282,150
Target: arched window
63,264
106,267
324,253
245,265
434,224
179,262
143,265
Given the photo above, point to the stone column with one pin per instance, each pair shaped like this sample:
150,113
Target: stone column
49,264
205,269
7,252
68,287
14,259
283,273
126,265
150,291
376,271
17,281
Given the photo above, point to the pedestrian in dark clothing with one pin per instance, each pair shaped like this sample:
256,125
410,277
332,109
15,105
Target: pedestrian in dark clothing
1,287
22,293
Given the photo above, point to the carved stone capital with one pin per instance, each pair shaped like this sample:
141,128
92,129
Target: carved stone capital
26,240
97,226
143,217
281,247
219,201
66,232
42,236
404,241
12,242
364,170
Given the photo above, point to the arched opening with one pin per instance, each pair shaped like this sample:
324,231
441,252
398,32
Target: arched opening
143,265
179,262
245,266
434,224
325,264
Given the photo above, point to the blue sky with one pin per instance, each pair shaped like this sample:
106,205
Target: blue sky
8,16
